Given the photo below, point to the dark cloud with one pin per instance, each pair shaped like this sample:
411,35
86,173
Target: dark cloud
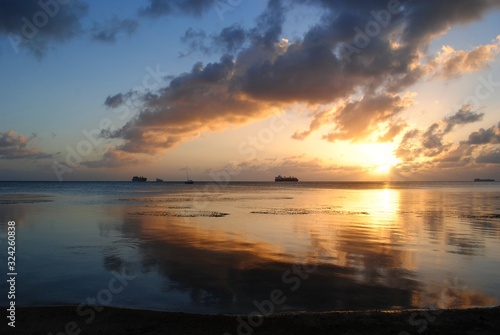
365,82
115,100
482,144
194,101
159,8
464,116
196,40
14,146
461,154
35,25
485,136
431,143
231,38
111,30
428,18
269,25
432,140
481,148
491,157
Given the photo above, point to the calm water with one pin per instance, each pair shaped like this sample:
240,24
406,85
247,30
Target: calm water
219,249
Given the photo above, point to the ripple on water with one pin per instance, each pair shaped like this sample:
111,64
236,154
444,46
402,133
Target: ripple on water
187,214
12,199
303,211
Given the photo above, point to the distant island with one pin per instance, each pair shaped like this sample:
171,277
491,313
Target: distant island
280,178
479,179
141,179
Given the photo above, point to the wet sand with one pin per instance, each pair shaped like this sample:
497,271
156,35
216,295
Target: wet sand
64,320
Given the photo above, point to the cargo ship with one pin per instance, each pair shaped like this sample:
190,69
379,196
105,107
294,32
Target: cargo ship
141,178
280,178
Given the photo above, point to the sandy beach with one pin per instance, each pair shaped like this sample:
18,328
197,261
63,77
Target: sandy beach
64,320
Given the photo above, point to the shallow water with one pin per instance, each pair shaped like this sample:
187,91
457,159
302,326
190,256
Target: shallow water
226,248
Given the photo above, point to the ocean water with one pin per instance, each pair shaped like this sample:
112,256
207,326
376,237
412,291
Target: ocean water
244,247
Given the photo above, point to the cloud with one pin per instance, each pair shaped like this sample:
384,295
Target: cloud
115,100
14,146
195,40
320,118
35,25
262,72
408,150
312,168
426,152
464,116
394,129
109,32
485,136
358,119
491,157
115,159
427,19
230,40
461,154
159,8
193,102
431,143
451,63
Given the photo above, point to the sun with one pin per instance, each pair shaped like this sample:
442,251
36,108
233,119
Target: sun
379,158
384,168
385,164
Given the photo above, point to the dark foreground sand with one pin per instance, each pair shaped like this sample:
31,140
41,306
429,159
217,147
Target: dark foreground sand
53,320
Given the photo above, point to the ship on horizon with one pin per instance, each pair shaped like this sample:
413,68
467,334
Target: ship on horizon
188,181
139,179
290,178
479,179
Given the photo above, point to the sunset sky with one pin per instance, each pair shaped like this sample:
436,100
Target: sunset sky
249,89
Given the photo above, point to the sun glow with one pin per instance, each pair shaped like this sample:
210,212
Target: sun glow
379,157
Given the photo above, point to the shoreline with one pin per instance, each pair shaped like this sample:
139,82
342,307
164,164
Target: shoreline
112,320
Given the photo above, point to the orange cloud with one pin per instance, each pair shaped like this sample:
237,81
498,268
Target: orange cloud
451,63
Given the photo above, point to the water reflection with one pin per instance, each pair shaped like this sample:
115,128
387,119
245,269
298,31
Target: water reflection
228,273
376,248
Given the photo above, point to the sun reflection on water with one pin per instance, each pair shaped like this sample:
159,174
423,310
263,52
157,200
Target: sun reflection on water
374,247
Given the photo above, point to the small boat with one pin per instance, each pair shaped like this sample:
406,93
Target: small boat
479,179
188,181
139,179
158,180
280,178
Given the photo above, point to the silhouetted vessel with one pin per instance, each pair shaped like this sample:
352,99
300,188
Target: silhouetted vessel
479,179
280,178
141,178
188,181
158,180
